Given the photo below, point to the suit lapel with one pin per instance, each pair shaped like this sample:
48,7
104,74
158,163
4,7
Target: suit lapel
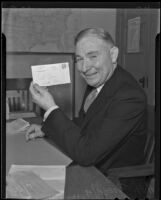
103,98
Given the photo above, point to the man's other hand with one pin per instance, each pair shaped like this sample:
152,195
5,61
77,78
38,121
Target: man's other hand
33,132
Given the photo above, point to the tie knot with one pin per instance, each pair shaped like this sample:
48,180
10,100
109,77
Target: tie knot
92,94
90,98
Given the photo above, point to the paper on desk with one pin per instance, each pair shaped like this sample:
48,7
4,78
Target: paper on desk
54,175
51,74
16,126
28,185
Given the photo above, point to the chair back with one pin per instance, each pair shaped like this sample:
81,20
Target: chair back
149,148
19,98
150,142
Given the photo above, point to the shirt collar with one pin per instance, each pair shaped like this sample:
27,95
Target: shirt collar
99,88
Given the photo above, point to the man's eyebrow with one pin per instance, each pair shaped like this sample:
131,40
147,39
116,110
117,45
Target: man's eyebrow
89,53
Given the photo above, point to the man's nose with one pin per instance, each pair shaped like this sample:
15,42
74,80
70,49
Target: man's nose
85,66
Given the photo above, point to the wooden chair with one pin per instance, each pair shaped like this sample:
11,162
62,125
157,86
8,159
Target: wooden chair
144,170
19,98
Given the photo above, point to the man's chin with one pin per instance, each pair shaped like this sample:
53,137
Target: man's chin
92,83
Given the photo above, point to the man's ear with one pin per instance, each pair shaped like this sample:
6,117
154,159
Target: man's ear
114,51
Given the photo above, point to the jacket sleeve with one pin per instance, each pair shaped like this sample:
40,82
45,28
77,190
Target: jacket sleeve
89,145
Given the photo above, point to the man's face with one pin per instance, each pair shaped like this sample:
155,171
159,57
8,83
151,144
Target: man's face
93,60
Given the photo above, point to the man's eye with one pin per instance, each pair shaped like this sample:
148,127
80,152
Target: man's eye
94,56
78,59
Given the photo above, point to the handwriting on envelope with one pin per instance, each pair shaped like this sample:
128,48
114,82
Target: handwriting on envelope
51,74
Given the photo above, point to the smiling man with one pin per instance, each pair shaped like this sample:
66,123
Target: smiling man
111,128
96,59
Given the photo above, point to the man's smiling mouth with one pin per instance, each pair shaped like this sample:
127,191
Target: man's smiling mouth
90,75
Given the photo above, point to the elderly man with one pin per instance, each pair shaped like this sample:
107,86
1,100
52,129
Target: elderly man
111,128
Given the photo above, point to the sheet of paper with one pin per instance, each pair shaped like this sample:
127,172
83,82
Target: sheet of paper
51,74
54,175
28,185
16,126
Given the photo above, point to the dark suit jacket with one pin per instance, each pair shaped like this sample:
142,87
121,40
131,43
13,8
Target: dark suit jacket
112,133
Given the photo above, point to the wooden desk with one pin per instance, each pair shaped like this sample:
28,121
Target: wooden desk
89,183
81,182
34,152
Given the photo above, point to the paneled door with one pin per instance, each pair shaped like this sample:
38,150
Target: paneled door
135,36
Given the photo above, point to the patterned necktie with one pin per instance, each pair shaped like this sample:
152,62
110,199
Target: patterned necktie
90,98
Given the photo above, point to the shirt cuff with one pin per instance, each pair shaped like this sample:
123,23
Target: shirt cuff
49,111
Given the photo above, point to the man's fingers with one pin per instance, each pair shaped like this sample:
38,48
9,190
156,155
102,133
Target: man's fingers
39,89
31,136
33,132
45,88
33,89
30,129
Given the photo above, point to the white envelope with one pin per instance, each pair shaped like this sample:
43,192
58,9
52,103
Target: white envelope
51,74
